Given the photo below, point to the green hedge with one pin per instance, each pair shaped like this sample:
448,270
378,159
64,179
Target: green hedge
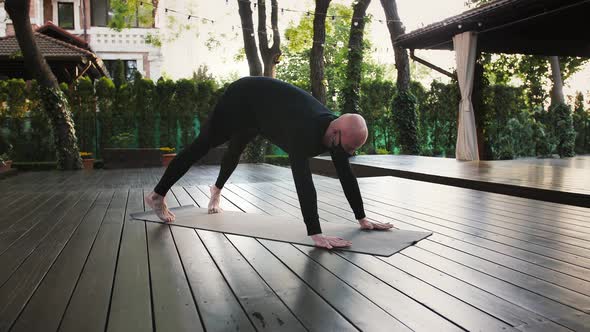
139,113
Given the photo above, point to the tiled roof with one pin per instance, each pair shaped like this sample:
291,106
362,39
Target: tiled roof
49,47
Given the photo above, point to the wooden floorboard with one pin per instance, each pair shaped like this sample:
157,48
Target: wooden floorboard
37,257
48,304
73,260
552,181
89,305
131,304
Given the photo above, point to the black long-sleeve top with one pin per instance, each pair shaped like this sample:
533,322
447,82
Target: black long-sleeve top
296,122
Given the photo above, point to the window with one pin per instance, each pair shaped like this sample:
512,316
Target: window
129,68
100,12
65,15
139,17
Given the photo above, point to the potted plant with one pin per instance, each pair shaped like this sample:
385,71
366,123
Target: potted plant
87,160
5,162
167,155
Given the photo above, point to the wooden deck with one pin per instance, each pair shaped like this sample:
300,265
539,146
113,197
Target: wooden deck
565,181
72,260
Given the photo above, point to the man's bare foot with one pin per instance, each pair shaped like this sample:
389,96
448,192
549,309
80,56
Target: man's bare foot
158,204
370,225
215,200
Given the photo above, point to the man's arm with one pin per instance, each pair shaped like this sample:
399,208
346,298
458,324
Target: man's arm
349,184
306,193
309,205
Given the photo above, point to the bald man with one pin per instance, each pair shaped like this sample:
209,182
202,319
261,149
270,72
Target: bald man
293,120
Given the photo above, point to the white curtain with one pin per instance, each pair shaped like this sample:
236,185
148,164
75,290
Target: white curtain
465,50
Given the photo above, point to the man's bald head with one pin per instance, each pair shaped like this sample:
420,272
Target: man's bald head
353,131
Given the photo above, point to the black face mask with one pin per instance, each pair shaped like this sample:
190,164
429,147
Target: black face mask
338,150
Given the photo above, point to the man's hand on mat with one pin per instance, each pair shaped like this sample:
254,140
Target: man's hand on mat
324,241
158,204
215,200
373,225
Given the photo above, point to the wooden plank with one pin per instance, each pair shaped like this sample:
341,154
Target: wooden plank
309,307
464,199
264,308
463,232
26,206
131,305
557,312
412,313
218,306
476,209
18,250
47,305
16,291
457,301
568,296
360,311
27,219
174,307
89,304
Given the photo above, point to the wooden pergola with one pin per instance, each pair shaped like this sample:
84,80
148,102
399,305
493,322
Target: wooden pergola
536,27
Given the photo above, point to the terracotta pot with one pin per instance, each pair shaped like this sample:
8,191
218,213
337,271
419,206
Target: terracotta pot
167,158
88,163
7,165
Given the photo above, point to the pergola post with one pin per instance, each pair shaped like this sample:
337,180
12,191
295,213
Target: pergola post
465,45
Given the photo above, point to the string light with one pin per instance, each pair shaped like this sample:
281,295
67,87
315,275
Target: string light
339,44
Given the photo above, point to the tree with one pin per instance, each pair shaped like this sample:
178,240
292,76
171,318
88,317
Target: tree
404,103
355,57
316,60
270,55
581,124
249,40
53,99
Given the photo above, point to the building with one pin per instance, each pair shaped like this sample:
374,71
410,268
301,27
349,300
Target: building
88,20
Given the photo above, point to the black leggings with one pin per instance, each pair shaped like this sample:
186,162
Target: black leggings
227,122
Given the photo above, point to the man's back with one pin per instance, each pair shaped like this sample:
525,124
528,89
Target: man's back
287,115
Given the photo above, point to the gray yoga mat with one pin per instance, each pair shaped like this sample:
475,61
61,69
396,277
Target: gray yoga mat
285,229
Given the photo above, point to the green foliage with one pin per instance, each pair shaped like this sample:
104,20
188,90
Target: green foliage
123,140
279,160
185,102
375,102
581,119
168,116
294,67
145,112
255,150
83,108
438,119
130,13
105,96
119,74
563,130
404,116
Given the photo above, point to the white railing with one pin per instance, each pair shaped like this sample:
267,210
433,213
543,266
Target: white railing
128,40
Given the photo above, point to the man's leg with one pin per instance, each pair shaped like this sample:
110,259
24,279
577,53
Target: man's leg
206,140
230,160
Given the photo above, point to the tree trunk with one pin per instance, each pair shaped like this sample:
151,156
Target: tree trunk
318,88
355,58
249,39
557,90
54,102
270,55
396,29
404,103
